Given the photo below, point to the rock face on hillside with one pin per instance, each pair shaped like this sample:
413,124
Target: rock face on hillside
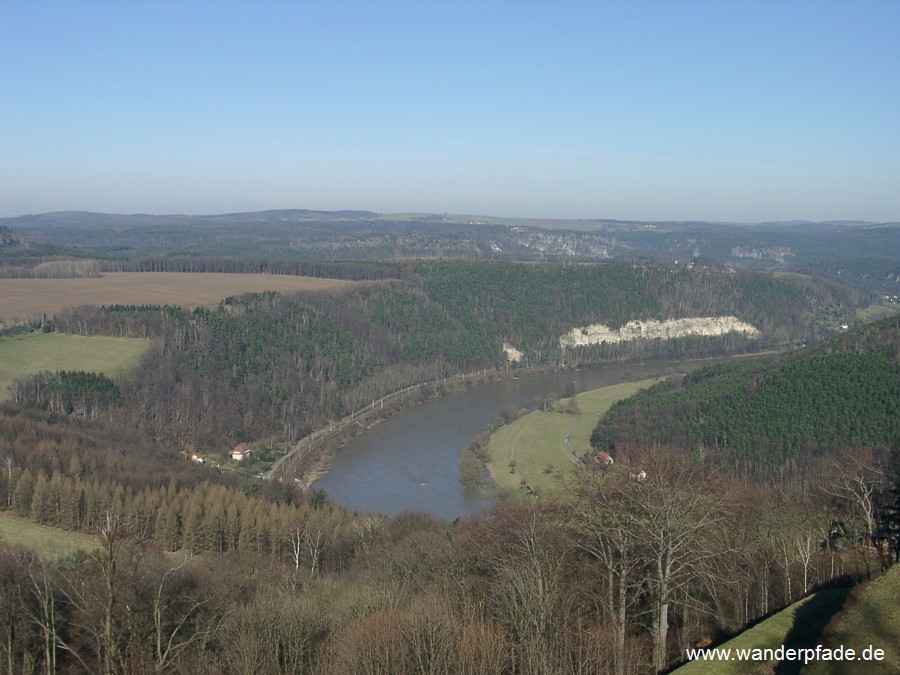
512,354
9,239
776,253
664,330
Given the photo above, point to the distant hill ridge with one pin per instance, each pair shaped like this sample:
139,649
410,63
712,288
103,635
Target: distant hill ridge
88,218
75,218
849,252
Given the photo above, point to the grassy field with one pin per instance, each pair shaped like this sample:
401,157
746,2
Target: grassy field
542,444
29,353
799,625
874,620
875,312
47,542
21,299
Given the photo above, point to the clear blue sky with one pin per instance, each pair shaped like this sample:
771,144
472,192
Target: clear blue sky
717,110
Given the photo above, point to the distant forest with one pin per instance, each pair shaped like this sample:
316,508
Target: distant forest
855,253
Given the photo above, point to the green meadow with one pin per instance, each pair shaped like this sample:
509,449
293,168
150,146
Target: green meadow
871,619
47,542
874,312
23,355
798,625
541,447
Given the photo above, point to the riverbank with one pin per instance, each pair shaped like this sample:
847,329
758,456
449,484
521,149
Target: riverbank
325,442
311,459
412,460
535,452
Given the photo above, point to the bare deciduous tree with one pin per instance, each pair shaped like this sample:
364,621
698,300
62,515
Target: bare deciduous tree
177,617
601,509
654,526
856,478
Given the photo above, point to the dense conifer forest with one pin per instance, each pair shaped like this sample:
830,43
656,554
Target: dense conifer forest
771,416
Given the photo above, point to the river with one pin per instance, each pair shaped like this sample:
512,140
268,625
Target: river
411,461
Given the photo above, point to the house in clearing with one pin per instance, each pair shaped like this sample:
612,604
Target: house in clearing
604,458
241,451
197,457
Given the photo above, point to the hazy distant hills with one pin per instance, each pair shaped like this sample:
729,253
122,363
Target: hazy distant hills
862,253
92,219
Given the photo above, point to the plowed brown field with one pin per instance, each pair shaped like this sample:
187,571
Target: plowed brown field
24,298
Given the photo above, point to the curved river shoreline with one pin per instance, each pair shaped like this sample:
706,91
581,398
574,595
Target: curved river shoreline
411,461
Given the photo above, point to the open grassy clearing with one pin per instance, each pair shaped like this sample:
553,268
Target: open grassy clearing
30,353
47,542
542,444
21,299
798,625
875,312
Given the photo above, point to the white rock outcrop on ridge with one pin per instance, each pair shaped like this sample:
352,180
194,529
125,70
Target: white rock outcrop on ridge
649,330
512,354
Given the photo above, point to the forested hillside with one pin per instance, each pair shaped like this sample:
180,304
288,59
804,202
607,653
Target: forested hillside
60,475
844,392
276,365
536,304
9,239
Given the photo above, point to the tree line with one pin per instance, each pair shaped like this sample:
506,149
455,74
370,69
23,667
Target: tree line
68,392
47,262
350,271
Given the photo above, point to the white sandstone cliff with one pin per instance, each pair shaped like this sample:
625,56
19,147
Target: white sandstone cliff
665,330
